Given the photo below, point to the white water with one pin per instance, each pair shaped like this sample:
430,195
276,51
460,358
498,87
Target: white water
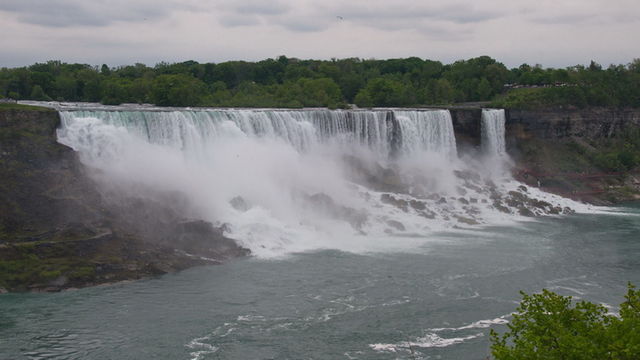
276,160
492,129
430,131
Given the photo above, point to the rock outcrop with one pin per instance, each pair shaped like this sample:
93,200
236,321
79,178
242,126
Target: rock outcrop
58,231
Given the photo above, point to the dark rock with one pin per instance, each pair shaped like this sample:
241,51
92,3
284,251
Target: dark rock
525,212
239,204
555,210
65,233
472,210
466,220
500,207
399,203
324,203
463,201
417,205
396,225
427,214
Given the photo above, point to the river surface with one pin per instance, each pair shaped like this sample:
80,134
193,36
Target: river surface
438,301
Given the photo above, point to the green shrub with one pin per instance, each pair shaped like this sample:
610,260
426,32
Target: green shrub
549,326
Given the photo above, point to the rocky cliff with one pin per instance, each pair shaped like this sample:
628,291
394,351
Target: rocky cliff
58,231
589,123
590,154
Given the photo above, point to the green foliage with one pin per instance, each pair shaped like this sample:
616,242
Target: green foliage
26,263
384,92
536,98
178,90
38,94
549,326
291,82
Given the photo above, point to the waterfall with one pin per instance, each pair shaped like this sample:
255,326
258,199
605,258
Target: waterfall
427,130
356,180
492,129
430,131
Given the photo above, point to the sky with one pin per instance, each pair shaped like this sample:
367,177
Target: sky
553,33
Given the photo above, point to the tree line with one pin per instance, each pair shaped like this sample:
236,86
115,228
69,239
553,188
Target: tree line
292,83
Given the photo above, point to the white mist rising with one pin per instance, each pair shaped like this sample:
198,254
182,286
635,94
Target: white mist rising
287,181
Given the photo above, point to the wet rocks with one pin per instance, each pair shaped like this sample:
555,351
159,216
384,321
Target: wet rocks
466,220
326,205
399,203
497,204
239,204
418,205
396,225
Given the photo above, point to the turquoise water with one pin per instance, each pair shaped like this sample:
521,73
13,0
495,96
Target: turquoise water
436,302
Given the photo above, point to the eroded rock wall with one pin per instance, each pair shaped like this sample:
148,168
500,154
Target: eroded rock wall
58,230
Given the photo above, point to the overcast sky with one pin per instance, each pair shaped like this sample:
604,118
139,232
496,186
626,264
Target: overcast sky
555,33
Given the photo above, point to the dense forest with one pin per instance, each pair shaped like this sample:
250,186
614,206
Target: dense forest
290,82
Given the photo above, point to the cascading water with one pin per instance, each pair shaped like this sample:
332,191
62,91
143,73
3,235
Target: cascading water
430,131
492,129
306,179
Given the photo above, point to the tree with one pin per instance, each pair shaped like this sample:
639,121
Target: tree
549,326
386,92
484,89
38,94
104,70
178,90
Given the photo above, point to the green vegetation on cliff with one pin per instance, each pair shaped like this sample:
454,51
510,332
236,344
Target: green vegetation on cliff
590,169
549,326
291,82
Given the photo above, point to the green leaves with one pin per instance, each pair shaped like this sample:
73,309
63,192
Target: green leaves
550,326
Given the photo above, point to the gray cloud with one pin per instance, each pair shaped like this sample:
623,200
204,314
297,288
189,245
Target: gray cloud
260,7
456,13
568,19
237,20
67,13
550,32
304,24
305,17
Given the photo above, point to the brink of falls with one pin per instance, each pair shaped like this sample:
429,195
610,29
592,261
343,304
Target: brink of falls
294,180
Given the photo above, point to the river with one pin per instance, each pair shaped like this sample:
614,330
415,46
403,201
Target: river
437,301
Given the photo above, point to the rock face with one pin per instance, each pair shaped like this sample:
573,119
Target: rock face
466,124
561,151
591,123
58,231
